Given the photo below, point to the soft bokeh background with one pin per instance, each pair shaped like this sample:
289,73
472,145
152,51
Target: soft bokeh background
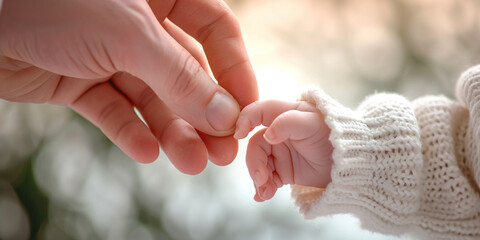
60,178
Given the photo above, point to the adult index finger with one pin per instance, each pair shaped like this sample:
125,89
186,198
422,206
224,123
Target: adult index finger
214,25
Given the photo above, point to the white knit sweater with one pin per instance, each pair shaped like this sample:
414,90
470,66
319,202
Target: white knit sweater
404,167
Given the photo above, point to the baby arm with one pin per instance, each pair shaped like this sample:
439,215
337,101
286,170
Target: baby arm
399,166
293,148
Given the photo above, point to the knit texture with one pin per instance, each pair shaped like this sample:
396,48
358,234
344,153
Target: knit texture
403,167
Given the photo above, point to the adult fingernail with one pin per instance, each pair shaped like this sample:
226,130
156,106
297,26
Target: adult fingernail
222,112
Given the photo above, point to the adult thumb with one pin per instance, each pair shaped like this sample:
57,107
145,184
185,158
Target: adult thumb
182,84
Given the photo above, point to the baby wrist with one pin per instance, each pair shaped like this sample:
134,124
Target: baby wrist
377,159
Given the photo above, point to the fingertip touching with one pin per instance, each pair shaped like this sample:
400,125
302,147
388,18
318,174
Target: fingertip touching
262,113
243,127
221,113
215,27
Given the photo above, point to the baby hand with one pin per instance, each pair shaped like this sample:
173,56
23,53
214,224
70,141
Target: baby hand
293,149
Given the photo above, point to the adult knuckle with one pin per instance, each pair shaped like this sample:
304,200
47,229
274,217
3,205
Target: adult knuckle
107,111
183,85
145,98
132,27
123,128
224,17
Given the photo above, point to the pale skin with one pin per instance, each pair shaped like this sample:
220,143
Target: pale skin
293,148
102,58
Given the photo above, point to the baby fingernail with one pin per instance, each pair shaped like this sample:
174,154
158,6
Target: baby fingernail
261,191
236,134
278,182
256,176
269,136
240,128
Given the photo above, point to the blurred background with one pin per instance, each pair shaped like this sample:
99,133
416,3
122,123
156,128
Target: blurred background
60,178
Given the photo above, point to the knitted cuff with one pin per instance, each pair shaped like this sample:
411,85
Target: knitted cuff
377,162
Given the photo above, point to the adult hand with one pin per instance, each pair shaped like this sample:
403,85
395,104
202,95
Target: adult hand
103,58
